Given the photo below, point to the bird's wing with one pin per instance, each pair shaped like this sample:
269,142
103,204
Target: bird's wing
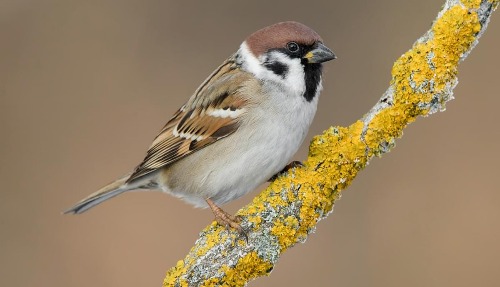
212,113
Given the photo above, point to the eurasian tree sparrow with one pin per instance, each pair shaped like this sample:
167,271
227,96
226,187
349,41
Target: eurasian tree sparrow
240,127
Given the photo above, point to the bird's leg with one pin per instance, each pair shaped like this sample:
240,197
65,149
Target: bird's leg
225,219
289,166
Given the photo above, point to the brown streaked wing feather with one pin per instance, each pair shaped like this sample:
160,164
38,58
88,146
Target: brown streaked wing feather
223,89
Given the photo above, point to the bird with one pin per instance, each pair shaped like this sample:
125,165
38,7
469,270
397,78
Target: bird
241,126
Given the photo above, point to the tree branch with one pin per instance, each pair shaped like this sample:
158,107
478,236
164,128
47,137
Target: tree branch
289,209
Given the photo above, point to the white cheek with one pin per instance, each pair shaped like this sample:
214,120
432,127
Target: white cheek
294,81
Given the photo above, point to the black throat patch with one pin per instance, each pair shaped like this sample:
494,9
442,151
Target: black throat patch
312,77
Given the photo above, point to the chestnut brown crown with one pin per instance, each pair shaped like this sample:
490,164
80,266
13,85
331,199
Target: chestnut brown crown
279,34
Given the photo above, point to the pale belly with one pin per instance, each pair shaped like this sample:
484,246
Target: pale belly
233,166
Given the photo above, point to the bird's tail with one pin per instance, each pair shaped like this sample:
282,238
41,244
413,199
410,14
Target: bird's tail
111,190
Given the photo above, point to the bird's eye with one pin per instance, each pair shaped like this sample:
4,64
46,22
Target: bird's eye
292,47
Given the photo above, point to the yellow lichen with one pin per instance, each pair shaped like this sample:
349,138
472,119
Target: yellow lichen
248,267
286,231
175,274
454,33
212,282
388,124
256,220
215,234
472,3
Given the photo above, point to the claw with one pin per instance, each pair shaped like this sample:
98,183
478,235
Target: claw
227,220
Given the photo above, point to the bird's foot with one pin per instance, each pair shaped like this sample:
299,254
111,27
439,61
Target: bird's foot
227,220
289,166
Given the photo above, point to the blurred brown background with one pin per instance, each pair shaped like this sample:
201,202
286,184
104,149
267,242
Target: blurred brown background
86,85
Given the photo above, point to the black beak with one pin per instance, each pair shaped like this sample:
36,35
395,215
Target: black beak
319,54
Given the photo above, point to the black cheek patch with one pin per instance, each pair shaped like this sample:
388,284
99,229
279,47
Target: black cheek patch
278,68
